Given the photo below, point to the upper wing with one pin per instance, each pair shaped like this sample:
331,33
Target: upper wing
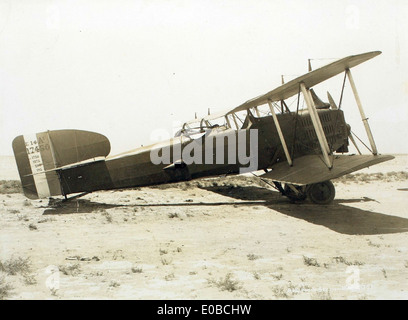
311,169
291,88
310,79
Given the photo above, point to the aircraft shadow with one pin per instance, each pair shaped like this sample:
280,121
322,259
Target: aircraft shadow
87,206
77,206
336,216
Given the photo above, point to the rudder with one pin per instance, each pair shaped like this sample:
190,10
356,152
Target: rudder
37,155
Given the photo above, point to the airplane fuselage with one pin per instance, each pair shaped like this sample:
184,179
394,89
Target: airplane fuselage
137,169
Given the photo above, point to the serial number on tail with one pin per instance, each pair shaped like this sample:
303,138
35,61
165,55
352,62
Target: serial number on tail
38,148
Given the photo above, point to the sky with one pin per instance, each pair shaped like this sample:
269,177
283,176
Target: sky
133,70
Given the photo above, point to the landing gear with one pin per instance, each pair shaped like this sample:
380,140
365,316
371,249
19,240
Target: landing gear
319,193
295,193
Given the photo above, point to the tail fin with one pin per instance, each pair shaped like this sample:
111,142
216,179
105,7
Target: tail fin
38,154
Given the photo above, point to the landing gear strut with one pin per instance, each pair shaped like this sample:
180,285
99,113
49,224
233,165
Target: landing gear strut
319,193
295,193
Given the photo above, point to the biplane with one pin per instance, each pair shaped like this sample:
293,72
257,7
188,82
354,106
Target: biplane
299,151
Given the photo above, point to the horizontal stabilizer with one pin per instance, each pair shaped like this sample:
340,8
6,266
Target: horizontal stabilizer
312,169
37,155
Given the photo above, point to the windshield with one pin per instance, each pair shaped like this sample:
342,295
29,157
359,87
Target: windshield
201,126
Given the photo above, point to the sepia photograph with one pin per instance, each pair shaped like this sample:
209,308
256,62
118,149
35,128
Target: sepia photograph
202,151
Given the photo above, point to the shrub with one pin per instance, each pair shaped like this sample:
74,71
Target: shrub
5,289
226,284
310,261
15,266
70,269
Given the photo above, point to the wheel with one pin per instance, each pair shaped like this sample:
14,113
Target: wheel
321,192
295,196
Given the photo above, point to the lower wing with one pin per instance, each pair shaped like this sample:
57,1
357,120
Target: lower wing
311,168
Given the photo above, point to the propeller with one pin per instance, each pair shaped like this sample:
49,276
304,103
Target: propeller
319,103
331,101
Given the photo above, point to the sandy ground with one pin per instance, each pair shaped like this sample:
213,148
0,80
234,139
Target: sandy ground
229,238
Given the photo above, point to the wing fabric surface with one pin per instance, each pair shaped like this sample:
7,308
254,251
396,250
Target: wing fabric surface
310,79
311,168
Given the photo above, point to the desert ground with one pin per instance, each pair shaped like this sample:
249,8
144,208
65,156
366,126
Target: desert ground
218,238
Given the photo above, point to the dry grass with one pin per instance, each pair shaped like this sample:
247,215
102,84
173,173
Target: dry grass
165,261
5,289
107,215
10,186
137,270
114,284
280,292
170,277
256,275
70,269
310,262
226,284
322,295
277,276
367,177
32,226
289,290
346,262
252,256
30,280
14,266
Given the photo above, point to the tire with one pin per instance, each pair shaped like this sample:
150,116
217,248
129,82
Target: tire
321,192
